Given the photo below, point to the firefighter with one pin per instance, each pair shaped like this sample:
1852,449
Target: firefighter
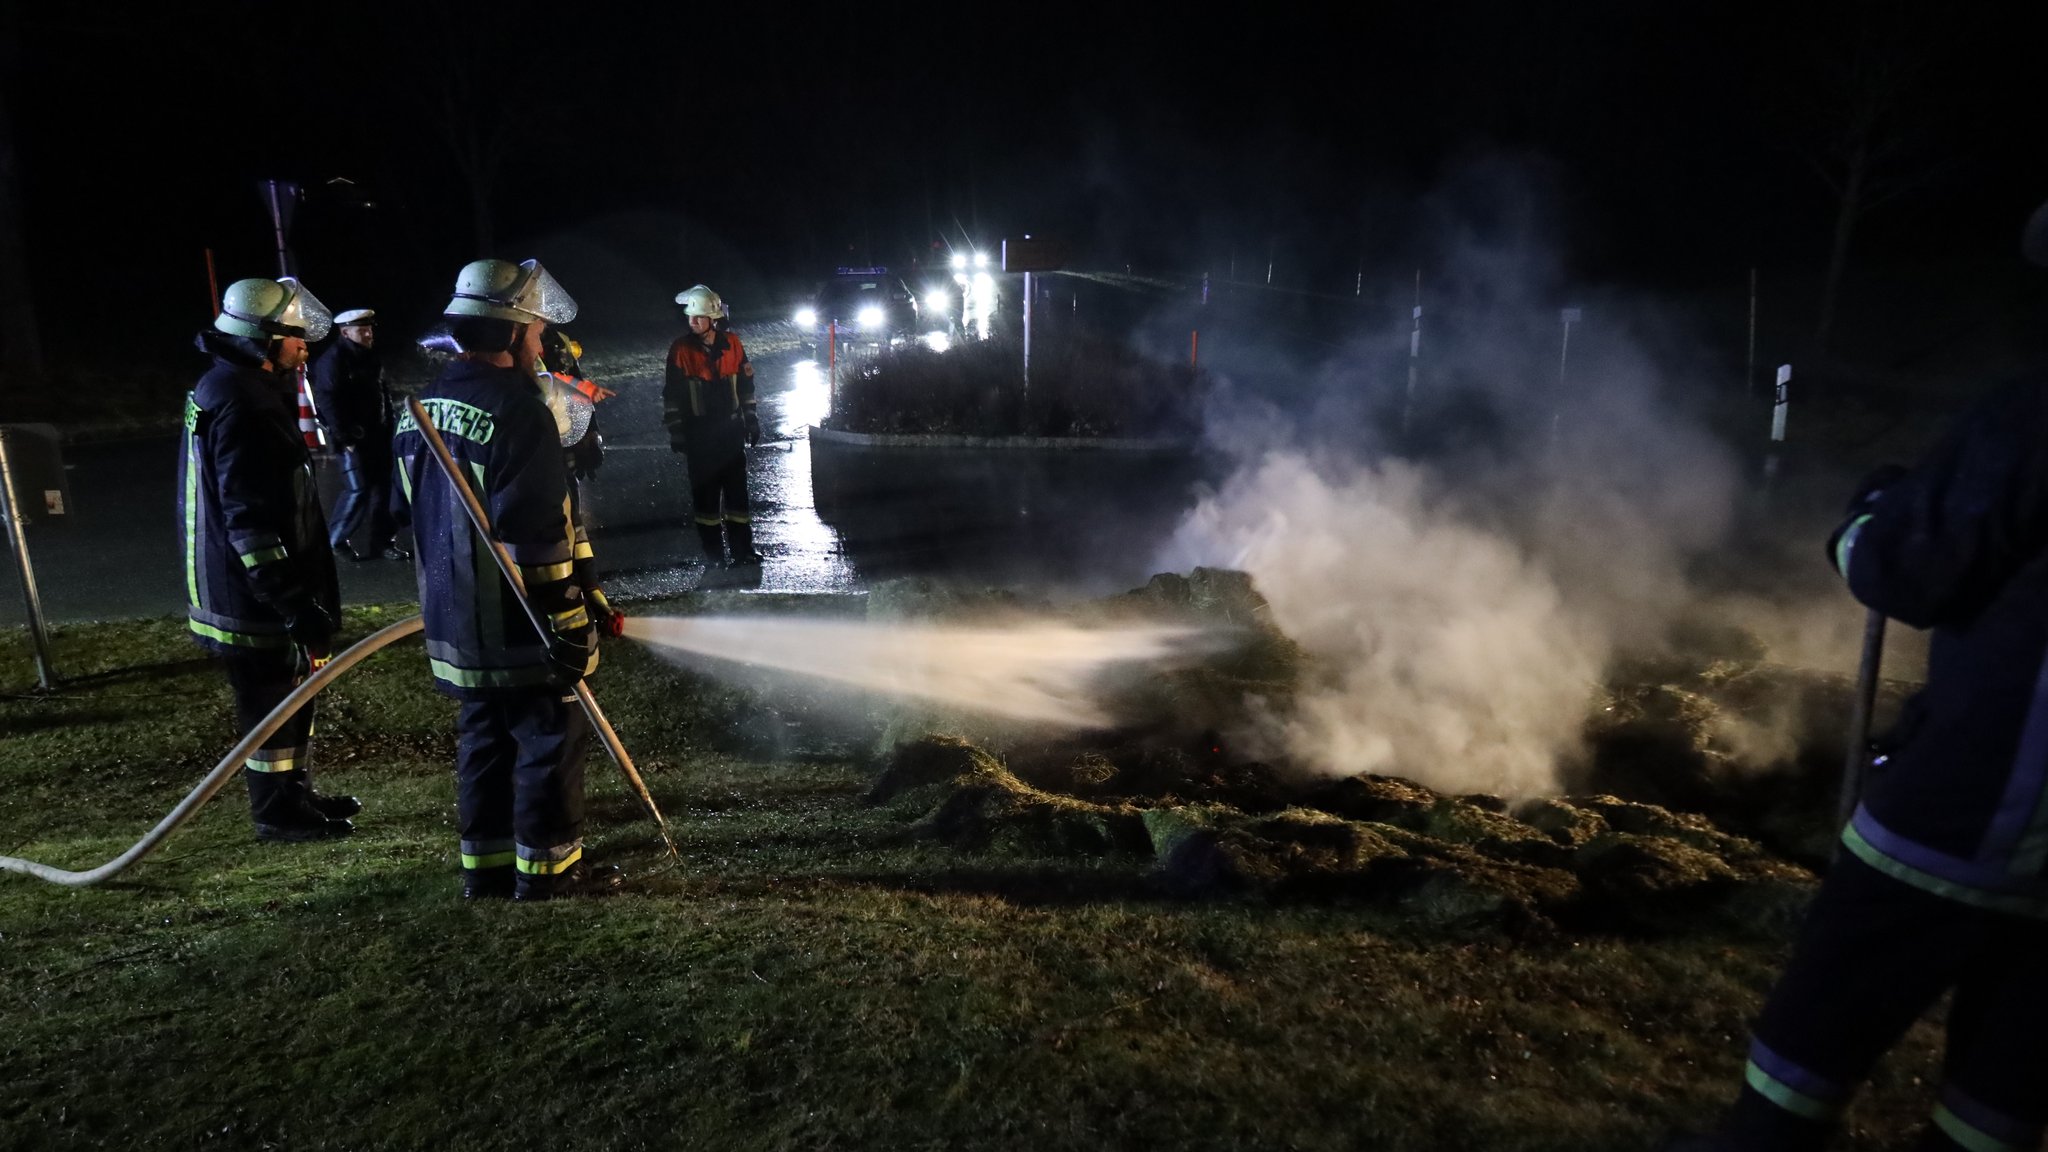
521,737
573,400
707,402
354,405
1941,883
258,572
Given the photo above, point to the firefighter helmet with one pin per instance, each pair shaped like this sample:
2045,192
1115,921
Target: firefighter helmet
701,301
501,290
259,308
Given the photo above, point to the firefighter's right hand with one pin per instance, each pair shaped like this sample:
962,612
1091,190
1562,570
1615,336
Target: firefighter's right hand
312,629
570,654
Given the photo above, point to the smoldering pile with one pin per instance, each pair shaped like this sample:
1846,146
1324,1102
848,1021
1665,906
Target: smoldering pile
1702,789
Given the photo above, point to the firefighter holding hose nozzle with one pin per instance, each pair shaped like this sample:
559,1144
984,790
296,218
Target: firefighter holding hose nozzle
521,735
573,400
259,574
1941,880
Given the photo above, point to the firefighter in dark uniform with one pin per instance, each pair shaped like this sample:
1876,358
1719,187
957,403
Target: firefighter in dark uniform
1941,883
521,735
352,402
258,573
707,402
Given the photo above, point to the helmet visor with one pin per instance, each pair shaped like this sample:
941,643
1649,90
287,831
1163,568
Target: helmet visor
542,297
304,314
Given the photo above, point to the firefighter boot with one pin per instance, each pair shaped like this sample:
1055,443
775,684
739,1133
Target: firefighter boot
712,537
581,879
743,554
282,806
332,807
495,883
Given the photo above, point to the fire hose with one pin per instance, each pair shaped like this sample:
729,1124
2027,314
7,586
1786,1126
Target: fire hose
312,685
223,771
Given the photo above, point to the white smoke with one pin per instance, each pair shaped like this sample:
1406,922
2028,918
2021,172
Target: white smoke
1445,653
1464,590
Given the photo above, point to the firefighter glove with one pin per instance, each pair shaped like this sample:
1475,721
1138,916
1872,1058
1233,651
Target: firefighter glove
570,654
608,620
1873,486
311,628
752,421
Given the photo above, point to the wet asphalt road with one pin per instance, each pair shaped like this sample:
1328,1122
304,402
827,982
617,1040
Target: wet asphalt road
828,518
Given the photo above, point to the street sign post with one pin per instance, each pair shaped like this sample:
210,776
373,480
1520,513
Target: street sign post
1031,256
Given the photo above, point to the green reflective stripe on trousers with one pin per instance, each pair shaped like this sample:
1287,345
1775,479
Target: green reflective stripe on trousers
2034,907
550,867
1787,1097
708,521
282,764
567,621
266,556
488,677
1960,1131
490,860
238,639
738,518
547,573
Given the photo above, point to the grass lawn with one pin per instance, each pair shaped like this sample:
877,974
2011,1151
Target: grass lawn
810,976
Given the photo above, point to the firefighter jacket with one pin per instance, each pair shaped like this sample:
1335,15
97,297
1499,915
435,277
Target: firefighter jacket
256,551
480,643
706,394
1959,804
349,395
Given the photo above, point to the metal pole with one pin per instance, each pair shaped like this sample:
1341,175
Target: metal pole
1414,356
832,366
17,520
1860,710
1749,368
1195,348
1564,355
1778,411
1027,342
284,264
481,521
212,284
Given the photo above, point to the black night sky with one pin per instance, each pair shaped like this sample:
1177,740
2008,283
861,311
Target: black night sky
1670,145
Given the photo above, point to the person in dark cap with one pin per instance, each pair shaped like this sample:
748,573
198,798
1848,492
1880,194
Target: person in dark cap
353,404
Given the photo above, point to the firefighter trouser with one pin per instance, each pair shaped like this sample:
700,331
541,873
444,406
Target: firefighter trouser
367,502
519,781
277,770
1873,955
717,461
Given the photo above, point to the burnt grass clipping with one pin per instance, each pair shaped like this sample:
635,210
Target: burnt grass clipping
1667,826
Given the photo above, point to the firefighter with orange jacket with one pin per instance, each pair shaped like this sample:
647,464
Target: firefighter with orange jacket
707,403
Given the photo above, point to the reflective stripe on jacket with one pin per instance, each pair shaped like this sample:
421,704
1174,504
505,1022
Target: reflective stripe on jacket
497,427
255,542
706,386
1959,806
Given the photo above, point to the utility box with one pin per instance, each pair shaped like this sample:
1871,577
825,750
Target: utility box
1028,255
35,473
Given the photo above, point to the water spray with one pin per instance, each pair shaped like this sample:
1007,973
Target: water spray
1036,673
481,521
